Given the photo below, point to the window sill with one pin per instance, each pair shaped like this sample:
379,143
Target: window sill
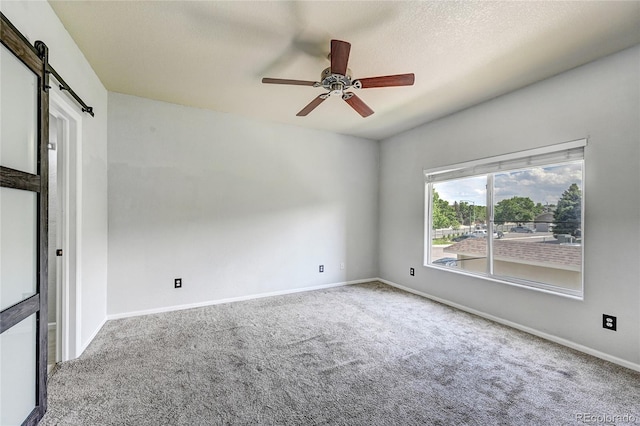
543,288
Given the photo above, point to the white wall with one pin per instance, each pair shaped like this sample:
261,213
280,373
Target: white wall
599,101
238,208
233,207
37,21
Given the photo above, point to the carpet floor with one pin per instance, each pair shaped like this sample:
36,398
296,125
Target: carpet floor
364,354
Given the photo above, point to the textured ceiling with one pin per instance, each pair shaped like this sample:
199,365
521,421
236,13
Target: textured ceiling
213,54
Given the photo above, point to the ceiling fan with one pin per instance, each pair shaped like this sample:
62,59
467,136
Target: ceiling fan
337,78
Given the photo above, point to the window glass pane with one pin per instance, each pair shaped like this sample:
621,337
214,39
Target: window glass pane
539,210
18,247
18,114
18,372
459,224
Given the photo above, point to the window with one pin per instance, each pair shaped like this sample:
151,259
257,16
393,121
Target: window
515,218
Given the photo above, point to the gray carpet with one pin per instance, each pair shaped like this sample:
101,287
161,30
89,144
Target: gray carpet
363,355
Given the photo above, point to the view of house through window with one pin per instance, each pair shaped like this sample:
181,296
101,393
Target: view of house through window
531,234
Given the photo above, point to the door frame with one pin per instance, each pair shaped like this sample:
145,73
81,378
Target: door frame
68,319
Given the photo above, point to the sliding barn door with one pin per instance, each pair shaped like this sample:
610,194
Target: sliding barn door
24,105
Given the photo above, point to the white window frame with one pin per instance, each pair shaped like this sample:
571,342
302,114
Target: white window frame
538,157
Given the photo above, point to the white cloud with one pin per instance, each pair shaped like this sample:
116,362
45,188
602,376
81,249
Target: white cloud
542,185
469,189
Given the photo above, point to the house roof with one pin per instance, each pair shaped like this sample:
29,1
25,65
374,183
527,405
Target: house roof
544,217
559,256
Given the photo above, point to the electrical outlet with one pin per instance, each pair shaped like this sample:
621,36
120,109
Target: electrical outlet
321,268
177,283
412,272
341,265
609,322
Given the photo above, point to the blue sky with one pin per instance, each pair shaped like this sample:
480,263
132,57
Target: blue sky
542,185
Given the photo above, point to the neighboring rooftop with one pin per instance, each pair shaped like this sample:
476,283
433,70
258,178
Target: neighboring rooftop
557,256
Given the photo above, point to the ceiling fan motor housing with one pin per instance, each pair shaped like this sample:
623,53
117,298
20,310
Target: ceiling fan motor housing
335,83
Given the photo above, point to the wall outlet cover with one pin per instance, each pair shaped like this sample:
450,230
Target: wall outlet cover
609,322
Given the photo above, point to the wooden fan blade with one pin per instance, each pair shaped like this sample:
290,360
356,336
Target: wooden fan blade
339,56
312,105
285,81
357,104
387,81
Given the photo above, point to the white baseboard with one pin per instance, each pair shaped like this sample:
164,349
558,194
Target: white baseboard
233,299
546,336
90,339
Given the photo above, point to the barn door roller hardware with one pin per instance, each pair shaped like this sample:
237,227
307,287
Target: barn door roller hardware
43,51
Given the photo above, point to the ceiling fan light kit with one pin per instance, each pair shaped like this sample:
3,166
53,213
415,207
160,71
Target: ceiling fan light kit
337,78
